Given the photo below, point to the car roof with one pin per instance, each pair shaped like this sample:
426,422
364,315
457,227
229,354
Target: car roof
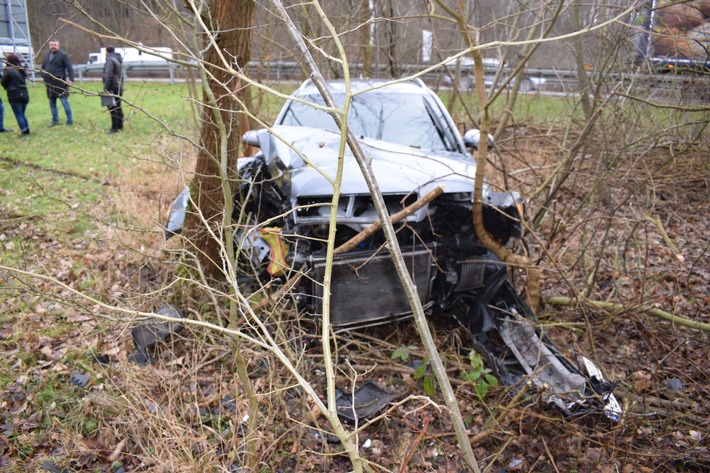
415,86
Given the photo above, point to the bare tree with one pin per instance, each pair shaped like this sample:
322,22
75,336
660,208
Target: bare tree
367,37
226,98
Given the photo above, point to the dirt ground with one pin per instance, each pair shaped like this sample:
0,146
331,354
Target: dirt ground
639,239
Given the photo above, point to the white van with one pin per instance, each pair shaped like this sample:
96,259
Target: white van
134,55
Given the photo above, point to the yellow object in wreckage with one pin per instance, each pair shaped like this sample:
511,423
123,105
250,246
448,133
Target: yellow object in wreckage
279,249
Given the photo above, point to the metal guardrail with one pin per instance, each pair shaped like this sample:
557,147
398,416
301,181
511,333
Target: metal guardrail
129,68
291,70
564,81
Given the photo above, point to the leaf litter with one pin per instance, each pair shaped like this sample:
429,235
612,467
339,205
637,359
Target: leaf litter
51,340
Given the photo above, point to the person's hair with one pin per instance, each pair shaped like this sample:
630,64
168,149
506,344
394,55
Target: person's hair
54,40
110,49
15,61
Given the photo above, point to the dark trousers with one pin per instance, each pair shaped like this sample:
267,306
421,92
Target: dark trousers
116,112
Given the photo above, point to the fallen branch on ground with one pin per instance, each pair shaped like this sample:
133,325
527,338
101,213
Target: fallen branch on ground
661,314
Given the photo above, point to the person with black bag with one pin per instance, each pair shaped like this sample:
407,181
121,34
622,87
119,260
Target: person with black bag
14,81
113,84
58,75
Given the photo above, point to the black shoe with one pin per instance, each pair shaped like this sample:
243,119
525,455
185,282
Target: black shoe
112,130
25,133
4,130
52,124
70,123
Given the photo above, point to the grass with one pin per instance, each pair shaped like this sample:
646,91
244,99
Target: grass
66,168
67,194
84,149
65,173
531,109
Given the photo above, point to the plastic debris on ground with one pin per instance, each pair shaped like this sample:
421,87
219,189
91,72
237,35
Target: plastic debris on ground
365,402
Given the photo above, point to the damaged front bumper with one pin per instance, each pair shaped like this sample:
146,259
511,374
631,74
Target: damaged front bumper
453,276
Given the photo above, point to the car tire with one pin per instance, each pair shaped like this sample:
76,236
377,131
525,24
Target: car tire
526,85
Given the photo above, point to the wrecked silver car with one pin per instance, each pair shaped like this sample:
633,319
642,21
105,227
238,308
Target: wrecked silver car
285,194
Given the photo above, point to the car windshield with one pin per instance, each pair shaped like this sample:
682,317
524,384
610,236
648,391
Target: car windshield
405,119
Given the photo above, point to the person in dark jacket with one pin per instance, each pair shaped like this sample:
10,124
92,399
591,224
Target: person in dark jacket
58,75
113,84
13,80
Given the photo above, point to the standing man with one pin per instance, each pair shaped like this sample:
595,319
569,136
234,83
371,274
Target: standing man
113,84
58,75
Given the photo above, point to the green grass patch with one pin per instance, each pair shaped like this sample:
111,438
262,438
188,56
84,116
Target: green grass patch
531,109
85,149
58,176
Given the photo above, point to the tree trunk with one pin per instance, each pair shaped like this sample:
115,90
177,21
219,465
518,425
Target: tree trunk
223,123
365,15
392,38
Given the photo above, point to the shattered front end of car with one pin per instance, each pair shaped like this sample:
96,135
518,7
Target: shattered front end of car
437,240
286,196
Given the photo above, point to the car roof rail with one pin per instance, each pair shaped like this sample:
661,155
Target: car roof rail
419,82
306,83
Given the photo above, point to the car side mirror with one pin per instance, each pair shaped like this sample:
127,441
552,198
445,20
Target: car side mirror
473,137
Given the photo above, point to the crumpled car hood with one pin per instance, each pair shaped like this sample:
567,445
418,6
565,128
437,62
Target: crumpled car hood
398,169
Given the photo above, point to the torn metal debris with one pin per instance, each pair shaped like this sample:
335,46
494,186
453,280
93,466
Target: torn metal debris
80,379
